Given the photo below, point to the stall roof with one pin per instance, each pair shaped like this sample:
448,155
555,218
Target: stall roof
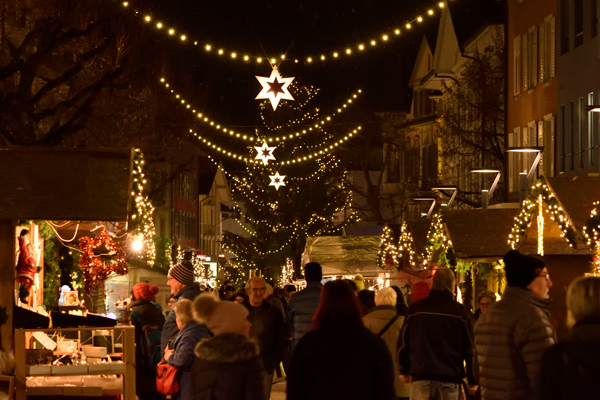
340,255
577,196
479,234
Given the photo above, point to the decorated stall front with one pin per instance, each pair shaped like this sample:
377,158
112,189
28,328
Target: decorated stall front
551,224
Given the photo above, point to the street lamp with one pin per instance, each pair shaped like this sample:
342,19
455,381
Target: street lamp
432,199
593,108
525,179
454,192
486,195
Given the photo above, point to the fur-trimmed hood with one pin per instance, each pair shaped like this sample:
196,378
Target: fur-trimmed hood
226,348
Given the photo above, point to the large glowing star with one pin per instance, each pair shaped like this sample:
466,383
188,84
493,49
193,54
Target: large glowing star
274,88
265,153
277,180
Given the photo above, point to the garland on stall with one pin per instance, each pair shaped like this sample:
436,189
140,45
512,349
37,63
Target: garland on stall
142,219
531,205
591,232
387,254
93,266
437,239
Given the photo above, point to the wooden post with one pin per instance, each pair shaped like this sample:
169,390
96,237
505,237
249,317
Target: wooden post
7,279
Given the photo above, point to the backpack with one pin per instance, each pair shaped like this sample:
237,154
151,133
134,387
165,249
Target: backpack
148,341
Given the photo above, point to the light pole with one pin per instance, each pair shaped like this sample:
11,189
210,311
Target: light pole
525,178
433,201
454,192
486,195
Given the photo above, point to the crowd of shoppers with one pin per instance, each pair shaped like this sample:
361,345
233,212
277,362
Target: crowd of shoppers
342,341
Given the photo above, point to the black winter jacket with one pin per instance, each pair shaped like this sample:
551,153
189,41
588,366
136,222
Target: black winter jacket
227,367
437,340
301,309
268,331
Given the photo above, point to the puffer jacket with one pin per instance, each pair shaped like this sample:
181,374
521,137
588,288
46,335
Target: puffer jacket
510,340
375,321
227,367
301,309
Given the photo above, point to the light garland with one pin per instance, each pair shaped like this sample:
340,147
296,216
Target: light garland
437,238
386,256
591,232
287,273
234,55
220,128
94,269
540,226
144,216
530,207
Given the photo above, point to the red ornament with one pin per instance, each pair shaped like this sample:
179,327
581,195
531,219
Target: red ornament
94,268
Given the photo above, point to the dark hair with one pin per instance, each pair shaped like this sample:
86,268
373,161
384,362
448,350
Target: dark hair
366,298
313,272
399,295
241,294
352,284
338,307
289,288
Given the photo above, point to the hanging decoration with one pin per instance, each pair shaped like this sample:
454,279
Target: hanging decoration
530,207
591,232
265,153
275,88
94,268
540,226
26,266
142,219
277,180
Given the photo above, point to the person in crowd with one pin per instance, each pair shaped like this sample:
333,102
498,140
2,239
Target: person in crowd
267,328
148,319
366,299
570,368
288,291
180,279
360,282
274,301
385,321
170,303
485,299
401,307
436,351
511,336
228,293
228,365
303,305
181,351
240,298
324,364
420,290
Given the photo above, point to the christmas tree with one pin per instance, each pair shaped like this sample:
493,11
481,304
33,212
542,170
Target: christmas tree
313,197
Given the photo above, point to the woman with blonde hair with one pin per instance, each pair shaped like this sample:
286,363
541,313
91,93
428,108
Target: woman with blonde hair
570,368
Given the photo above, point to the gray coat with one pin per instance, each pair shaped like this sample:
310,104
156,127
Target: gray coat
510,340
301,310
375,321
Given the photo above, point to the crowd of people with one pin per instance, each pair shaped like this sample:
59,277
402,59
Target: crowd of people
342,341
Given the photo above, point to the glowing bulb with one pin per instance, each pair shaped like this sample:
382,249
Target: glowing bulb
159,25
373,43
408,26
335,54
441,4
385,37
171,31
183,37
207,47
420,19
147,18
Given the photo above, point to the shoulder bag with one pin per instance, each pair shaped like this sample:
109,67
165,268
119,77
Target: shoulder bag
167,378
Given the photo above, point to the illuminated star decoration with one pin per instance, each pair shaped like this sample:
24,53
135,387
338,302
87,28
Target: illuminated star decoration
277,180
265,153
274,88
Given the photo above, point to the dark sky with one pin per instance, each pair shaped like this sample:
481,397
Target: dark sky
226,89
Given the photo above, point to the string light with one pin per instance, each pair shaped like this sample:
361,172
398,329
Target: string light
540,226
143,219
221,129
530,207
591,232
437,238
245,57
93,267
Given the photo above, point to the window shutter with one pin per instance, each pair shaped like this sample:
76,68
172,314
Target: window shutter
516,65
540,142
534,57
542,54
524,161
525,57
553,47
511,166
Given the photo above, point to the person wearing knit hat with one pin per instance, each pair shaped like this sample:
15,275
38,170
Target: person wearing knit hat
144,291
180,279
228,365
513,334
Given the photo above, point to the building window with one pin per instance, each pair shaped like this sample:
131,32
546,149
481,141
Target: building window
530,57
547,39
590,131
578,22
517,66
580,131
393,164
564,26
594,18
562,139
572,134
